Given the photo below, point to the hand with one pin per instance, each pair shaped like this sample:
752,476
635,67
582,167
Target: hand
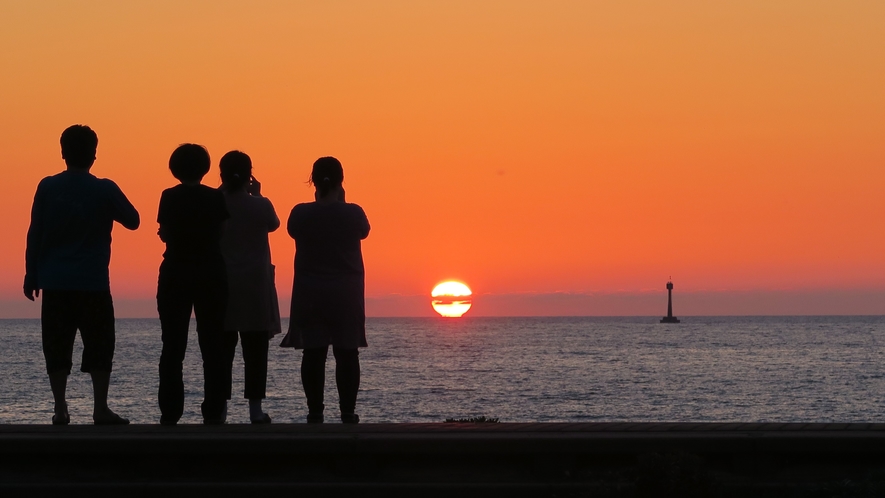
254,187
31,291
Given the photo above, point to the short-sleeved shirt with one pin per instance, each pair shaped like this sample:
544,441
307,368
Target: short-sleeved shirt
327,239
190,218
69,240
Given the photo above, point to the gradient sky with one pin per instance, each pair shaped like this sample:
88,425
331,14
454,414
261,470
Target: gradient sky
572,147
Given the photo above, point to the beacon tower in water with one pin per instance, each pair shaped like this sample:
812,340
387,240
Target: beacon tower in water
669,318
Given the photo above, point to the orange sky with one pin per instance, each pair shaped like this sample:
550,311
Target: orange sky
523,147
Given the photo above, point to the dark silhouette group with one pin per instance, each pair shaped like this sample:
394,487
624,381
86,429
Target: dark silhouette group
217,265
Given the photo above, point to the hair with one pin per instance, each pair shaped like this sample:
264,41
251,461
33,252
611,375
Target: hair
78,146
236,168
327,174
189,162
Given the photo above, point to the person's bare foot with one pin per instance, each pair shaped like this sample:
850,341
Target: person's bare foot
107,417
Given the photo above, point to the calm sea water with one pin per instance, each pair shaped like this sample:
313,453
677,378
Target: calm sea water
748,369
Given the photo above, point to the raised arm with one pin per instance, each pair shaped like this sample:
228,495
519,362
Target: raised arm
273,221
363,225
292,224
124,212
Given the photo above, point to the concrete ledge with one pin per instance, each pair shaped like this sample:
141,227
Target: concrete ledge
592,459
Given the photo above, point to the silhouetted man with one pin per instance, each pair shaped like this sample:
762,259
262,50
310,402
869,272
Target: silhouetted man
69,249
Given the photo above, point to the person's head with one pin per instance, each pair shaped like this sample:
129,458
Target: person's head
327,175
236,169
189,162
78,146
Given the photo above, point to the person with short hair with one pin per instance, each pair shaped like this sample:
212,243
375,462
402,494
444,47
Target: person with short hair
252,306
67,257
328,295
192,278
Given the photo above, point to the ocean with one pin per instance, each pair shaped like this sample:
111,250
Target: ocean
526,369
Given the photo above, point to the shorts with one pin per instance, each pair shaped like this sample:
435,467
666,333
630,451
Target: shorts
66,311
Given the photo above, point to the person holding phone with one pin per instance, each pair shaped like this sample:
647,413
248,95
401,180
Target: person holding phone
328,295
252,308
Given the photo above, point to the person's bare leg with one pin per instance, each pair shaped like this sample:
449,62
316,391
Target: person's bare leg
101,413
59,383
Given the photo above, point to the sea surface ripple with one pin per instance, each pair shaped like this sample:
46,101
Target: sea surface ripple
567,369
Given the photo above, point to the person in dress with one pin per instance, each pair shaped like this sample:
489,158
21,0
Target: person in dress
328,292
252,306
67,256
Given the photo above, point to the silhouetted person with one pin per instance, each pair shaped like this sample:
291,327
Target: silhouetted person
69,249
192,277
328,295
252,306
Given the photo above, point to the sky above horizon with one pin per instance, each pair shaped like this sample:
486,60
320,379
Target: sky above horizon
522,147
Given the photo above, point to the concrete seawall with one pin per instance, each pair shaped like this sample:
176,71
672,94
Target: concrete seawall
591,459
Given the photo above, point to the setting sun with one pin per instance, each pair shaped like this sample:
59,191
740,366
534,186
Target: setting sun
451,299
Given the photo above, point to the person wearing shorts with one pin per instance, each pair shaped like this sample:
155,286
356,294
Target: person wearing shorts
67,257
